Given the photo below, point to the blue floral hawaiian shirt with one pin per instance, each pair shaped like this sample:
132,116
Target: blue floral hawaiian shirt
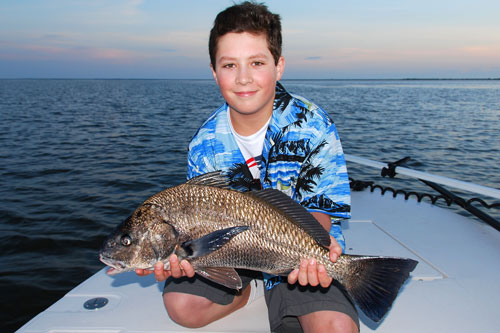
302,156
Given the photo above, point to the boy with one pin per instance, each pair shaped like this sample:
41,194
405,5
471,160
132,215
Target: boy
263,137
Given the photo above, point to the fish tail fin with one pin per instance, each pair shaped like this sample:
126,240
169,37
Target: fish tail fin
374,282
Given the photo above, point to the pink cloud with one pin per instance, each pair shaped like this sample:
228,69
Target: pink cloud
47,52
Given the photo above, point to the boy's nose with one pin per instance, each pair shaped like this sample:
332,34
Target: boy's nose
244,76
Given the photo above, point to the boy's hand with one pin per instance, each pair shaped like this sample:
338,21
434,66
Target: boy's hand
176,270
335,249
313,274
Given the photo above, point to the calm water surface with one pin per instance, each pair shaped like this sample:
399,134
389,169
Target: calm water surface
77,157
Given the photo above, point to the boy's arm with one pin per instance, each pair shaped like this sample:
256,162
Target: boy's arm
328,196
310,273
197,164
325,174
325,221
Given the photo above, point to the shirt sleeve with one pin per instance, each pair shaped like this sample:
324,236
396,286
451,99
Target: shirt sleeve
200,159
325,173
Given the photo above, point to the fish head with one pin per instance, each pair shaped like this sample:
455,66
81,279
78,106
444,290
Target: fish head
143,239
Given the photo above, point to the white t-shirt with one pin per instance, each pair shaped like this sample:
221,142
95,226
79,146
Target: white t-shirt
251,146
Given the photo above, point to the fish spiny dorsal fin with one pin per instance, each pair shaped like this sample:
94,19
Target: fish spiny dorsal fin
215,179
297,213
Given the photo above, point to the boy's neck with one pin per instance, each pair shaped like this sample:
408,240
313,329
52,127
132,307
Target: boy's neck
248,124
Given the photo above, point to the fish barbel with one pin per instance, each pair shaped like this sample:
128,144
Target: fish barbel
218,229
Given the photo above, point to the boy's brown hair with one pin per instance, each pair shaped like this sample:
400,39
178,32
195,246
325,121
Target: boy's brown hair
249,17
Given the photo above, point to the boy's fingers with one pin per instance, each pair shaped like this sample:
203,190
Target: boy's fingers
293,276
302,277
312,273
335,250
159,272
187,268
324,279
175,268
143,272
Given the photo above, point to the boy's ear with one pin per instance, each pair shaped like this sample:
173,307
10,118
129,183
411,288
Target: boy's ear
214,74
280,68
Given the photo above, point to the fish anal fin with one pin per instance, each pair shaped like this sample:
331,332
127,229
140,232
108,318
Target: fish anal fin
225,276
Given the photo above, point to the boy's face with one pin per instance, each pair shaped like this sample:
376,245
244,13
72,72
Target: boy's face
246,73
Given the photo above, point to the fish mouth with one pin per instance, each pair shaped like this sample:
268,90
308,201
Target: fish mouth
115,266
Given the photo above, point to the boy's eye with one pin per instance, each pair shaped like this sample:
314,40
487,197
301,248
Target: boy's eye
258,63
228,66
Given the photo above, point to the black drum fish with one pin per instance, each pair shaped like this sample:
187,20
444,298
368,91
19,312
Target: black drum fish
218,229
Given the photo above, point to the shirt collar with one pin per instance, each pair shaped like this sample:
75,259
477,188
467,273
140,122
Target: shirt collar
281,109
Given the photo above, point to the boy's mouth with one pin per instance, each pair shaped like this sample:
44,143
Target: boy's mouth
245,93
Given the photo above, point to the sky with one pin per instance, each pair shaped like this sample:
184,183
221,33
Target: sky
322,39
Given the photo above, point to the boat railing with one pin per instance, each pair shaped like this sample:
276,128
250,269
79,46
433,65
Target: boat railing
466,186
435,182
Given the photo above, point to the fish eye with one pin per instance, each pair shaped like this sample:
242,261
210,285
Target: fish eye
125,240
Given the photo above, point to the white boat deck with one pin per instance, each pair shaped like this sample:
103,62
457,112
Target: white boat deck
454,288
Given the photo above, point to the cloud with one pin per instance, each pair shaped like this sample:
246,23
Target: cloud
313,58
482,51
38,52
106,45
131,7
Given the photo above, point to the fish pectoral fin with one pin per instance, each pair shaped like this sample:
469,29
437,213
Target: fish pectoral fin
210,242
225,276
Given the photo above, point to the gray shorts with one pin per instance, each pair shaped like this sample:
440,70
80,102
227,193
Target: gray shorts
284,302
215,292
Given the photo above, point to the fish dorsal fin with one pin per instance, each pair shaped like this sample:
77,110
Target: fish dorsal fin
215,179
297,213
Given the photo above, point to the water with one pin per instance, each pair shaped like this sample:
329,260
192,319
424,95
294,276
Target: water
77,156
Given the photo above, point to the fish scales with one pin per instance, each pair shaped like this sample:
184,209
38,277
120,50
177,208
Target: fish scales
199,210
